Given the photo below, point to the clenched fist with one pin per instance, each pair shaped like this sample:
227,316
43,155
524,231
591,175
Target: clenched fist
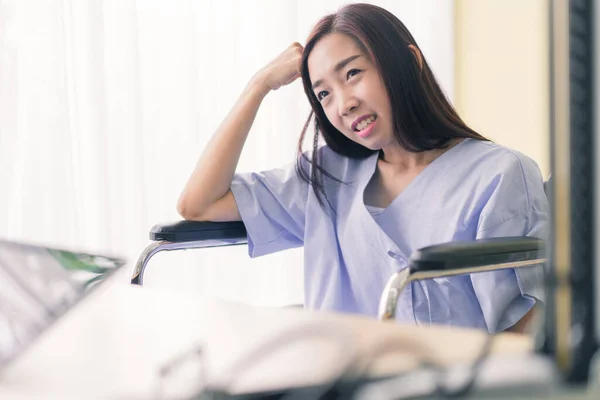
284,69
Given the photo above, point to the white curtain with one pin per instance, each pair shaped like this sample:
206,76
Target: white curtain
105,106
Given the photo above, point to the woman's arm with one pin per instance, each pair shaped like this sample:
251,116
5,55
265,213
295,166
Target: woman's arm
207,195
524,324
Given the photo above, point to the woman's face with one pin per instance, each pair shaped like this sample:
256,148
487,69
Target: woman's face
351,91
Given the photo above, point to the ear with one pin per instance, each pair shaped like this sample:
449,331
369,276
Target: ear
417,55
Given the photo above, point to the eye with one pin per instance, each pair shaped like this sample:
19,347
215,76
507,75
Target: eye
352,72
321,95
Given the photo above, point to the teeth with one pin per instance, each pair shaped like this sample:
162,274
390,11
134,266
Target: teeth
364,123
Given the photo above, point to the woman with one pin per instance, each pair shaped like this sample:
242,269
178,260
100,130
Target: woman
399,171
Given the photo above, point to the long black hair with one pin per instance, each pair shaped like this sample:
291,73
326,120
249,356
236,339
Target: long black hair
423,118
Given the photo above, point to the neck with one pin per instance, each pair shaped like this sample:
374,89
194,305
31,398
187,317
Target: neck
400,159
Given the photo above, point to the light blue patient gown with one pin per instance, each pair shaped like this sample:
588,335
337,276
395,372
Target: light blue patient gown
475,190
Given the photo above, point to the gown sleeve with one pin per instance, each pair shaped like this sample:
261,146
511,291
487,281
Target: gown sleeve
514,205
272,205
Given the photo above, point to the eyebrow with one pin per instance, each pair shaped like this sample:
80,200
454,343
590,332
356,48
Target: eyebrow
337,68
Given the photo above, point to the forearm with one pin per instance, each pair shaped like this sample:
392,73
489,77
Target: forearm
214,171
524,324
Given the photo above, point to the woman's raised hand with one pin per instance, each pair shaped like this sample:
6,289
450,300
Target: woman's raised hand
284,69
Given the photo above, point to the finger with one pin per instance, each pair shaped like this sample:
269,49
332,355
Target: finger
298,47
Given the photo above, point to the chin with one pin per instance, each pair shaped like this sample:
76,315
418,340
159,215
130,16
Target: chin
371,146
371,142
374,146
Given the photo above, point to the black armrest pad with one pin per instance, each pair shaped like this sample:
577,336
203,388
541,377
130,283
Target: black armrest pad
190,231
477,253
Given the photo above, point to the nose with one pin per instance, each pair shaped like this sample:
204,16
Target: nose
347,104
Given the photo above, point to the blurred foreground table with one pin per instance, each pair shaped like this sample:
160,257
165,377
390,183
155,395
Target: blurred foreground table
113,344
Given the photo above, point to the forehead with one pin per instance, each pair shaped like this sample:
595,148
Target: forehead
329,51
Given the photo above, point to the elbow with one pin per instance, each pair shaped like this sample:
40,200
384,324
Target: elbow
182,210
186,211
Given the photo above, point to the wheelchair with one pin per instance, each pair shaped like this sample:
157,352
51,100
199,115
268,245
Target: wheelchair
437,261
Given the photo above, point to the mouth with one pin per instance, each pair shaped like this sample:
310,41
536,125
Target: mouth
362,122
364,125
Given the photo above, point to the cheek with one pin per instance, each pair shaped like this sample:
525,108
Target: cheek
334,119
384,101
374,90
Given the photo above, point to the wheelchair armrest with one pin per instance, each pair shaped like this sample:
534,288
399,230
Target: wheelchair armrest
477,253
183,235
191,231
458,258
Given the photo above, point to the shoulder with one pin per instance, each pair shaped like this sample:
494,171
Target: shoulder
497,161
508,187
503,157
330,157
503,177
492,171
